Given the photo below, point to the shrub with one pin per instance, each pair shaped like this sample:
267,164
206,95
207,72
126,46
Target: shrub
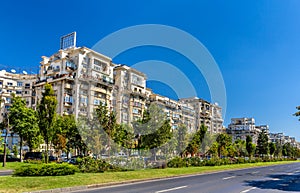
52,169
176,162
91,165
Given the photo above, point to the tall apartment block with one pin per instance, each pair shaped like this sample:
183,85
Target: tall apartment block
130,94
81,78
206,113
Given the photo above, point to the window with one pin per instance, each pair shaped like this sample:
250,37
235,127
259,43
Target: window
19,84
18,92
25,92
27,86
9,83
97,102
68,99
8,100
84,92
70,64
84,100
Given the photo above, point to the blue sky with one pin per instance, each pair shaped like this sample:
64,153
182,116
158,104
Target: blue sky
255,43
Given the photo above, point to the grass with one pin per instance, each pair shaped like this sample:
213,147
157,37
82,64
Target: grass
9,184
10,165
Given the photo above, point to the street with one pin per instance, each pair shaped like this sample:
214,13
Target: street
6,172
279,178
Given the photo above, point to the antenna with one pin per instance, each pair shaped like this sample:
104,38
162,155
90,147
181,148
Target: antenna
13,70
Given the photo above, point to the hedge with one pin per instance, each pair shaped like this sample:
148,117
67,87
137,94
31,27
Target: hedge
52,169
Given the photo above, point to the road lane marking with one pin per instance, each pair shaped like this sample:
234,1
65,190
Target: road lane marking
247,190
171,189
229,177
255,172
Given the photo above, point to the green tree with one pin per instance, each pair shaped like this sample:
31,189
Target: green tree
46,110
181,139
214,149
272,148
77,133
250,147
262,144
224,141
288,150
24,122
15,150
240,147
153,130
207,142
107,121
195,144
124,136
297,114
278,150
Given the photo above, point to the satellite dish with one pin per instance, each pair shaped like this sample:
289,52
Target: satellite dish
13,70
24,72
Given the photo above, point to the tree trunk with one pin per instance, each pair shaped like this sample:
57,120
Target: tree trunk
4,151
47,149
21,144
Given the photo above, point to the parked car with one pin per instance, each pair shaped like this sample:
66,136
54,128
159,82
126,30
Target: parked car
9,158
33,156
52,158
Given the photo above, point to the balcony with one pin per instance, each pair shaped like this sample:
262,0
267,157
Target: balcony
138,93
68,85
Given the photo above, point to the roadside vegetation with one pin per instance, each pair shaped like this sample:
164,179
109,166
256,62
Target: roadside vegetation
9,184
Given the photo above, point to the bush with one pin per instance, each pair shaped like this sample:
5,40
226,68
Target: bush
91,165
176,162
52,169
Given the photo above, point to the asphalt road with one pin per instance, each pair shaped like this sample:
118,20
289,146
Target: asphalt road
280,178
6,172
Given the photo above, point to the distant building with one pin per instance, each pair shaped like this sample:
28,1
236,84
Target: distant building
239,128
277,138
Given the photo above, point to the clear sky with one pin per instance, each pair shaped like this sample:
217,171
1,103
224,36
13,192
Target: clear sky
256,45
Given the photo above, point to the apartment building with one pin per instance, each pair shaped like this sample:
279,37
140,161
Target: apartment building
239,128
81,78
20,85
277,138
206,113
178,113
130,94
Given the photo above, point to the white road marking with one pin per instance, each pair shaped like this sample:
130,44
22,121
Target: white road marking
275,179
247,190
290,173
167,190
229,177
255,172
